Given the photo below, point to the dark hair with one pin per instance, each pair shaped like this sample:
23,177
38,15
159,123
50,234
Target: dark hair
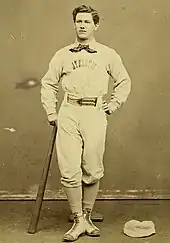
86,9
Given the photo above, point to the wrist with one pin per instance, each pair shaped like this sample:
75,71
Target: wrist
52,117
112,108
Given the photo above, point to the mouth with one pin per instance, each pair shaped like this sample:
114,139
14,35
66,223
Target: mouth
82,31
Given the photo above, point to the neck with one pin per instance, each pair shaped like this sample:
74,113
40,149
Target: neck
85,41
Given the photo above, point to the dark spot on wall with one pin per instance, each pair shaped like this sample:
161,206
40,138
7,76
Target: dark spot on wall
27,84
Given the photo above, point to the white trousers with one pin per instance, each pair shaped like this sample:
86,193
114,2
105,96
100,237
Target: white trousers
80,143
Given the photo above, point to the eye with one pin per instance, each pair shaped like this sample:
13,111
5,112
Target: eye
87,21
78,21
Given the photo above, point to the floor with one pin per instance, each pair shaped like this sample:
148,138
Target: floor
53,223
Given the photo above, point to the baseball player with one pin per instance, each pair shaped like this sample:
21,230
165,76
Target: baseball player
83,69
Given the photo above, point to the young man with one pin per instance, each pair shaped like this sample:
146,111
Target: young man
83,68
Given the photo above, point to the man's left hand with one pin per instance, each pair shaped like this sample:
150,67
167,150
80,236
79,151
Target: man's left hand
106,108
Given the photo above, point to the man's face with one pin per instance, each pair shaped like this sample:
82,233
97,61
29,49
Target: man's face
84,26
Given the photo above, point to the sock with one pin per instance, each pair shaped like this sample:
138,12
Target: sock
74,196
89,194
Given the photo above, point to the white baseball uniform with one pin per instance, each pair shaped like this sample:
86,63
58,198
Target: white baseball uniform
81,132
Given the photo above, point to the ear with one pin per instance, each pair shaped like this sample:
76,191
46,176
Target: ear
96,26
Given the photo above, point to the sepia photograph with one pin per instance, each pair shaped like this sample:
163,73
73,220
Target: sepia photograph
84,121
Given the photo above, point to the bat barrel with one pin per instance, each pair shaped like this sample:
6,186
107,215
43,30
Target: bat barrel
41,189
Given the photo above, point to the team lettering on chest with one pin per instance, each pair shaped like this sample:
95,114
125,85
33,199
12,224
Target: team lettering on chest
86,63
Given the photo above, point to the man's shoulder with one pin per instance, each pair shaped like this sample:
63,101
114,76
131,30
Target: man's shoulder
106,48
63,50
61,53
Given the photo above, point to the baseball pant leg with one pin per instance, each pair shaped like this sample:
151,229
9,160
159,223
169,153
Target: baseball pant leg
93,130
69,150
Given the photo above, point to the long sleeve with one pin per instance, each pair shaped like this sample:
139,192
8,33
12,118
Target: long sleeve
50,85
122,82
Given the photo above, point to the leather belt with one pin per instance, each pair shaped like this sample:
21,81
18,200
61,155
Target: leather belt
82,101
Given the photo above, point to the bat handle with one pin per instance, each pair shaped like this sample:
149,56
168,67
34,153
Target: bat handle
41,189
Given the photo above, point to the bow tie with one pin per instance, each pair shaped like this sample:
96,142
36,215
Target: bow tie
82,47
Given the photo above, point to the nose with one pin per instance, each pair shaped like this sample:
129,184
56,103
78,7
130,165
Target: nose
82,25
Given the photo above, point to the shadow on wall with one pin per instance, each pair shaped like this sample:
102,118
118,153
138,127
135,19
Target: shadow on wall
28,84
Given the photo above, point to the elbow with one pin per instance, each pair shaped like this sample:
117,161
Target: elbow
125,91
129,85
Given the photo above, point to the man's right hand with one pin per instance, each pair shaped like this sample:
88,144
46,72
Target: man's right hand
52,119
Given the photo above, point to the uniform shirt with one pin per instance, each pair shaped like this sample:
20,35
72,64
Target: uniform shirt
85,74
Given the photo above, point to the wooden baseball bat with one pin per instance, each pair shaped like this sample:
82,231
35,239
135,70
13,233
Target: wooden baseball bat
40,194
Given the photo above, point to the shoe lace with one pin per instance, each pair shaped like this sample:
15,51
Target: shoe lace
87,214
76,217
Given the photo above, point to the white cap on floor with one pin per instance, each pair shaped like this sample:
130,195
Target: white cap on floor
135,228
